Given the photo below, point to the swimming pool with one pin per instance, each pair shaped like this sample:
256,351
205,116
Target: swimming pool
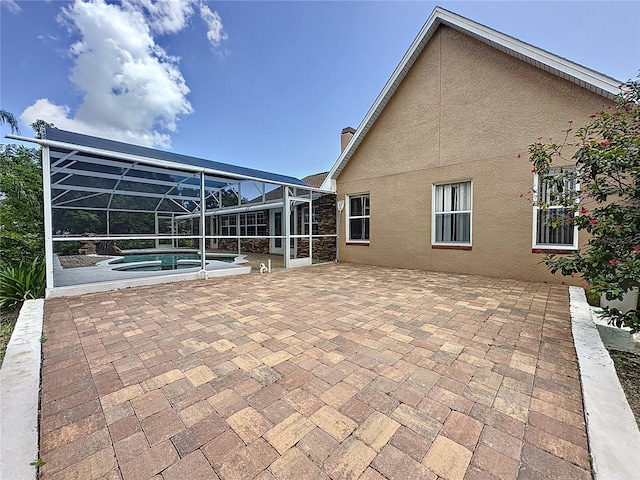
153,261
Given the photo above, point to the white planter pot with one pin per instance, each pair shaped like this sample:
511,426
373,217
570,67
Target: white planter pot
629,301
615,338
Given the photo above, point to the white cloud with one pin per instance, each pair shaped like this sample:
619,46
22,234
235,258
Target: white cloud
59,116
215,34
164,16
11,5
132,89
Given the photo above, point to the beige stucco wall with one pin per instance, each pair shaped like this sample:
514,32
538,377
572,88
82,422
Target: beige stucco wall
463,112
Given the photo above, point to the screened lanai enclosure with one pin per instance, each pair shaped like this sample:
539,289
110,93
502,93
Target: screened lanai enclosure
116,212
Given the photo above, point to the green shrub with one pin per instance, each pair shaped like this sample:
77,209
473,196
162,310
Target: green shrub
21,210
135,244
66,248
593,297
25,281
607,205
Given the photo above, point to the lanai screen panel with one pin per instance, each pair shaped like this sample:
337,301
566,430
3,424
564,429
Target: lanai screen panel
107,197
134,179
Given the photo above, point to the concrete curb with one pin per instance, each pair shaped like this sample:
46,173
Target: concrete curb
614,438
19,394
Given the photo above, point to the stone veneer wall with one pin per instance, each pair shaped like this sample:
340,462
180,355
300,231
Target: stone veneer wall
247,245
323,248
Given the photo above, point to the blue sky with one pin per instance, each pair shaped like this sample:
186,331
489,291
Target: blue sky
267,85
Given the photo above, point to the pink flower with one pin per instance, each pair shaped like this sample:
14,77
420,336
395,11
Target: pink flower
583,211
534,170
613,262
605,143
570,122
593,115
593,222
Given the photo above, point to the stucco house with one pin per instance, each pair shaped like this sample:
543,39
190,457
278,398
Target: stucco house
437,177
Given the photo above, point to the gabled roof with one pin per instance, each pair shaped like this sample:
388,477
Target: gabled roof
585,77
314,180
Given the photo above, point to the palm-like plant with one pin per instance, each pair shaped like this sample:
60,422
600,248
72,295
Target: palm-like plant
9,119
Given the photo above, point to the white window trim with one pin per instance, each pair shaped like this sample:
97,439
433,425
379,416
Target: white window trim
433,216
255,224
226,230
309,221
534,223
347,201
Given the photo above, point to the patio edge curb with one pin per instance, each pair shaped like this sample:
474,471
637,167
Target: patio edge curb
20,393
612,431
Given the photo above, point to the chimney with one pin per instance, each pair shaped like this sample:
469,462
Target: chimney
345,137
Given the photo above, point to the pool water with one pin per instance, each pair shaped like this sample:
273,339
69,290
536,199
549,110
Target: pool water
169,261
165,258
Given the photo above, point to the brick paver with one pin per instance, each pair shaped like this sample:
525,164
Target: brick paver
328,372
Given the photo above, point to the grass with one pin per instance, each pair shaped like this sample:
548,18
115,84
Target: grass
8,317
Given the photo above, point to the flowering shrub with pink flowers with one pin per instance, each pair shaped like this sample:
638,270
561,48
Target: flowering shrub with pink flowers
607,203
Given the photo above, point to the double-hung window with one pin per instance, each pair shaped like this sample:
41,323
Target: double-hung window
315,219
552,225
228,225
252,224
358,217
451,221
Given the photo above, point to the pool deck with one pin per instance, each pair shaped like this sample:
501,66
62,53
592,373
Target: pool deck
332,371
105,271
103,277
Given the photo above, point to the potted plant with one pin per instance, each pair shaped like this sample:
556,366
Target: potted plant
606,167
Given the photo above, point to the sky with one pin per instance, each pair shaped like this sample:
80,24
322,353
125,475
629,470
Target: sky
266,85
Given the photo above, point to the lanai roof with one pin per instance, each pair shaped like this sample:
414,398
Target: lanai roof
191,163
88,172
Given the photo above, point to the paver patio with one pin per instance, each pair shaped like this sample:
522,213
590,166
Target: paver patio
332,371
